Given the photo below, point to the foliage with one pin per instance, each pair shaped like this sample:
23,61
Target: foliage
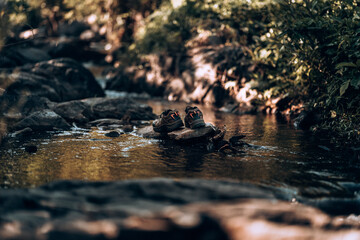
12,14
309,48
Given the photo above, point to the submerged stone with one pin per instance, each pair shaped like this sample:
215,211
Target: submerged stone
112,134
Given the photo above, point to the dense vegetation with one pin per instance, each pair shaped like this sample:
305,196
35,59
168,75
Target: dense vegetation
305,49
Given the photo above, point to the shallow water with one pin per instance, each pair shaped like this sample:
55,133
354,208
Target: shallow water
281,157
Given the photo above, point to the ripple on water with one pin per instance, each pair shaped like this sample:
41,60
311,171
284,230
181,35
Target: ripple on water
278,155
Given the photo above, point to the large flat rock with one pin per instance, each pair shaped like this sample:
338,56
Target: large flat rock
182,134
164,209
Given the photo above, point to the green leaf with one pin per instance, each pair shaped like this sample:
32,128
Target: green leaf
355,82
345,64
358,63
344,87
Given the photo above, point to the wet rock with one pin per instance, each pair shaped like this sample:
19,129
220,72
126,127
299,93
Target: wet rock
112,134
73,111
18,56
215,95
148,132
181,135
236,141
119,108
74,48
31,148
79,81
105,122
229,108
73,29
128,128
164,209
23,132
41,121
243,110
133,79
306,119
58,80
21,106
190,135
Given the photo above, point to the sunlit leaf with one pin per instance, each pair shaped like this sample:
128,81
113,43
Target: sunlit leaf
344,87
345,64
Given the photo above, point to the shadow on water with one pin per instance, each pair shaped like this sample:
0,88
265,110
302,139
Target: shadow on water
278,156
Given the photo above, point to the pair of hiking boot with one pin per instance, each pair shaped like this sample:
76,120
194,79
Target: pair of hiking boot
170,120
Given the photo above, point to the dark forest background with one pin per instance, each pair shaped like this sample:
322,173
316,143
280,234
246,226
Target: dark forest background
305,51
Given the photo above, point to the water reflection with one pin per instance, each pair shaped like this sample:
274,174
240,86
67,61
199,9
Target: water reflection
281,156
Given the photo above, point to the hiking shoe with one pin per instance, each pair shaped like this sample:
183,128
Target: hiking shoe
193,118
169,121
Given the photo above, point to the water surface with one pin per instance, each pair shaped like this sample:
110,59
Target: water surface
281,157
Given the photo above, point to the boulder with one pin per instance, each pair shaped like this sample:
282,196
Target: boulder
306,119
41,121
79,82
74,48
164,209
11,105
18,56
73,29
58,80
118,108
73,111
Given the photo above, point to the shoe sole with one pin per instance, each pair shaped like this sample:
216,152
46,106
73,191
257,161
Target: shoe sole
197,124
169,127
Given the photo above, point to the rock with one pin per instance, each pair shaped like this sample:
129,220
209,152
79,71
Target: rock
73,111
73,29
58,80
148,132
112,134
181,135
33,55
76,49
23,132
191,135
78,81
284,103
236,141
105,122
22,105
243,110
42,120
133,79
31,148
128,128
34,88
18,56
164,209
306,119
119,108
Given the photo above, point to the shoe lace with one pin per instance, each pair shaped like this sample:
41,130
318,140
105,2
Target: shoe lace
175,113
196,112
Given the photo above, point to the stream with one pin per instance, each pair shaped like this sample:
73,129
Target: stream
279,156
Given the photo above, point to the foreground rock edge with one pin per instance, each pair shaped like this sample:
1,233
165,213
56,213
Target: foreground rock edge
163,209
